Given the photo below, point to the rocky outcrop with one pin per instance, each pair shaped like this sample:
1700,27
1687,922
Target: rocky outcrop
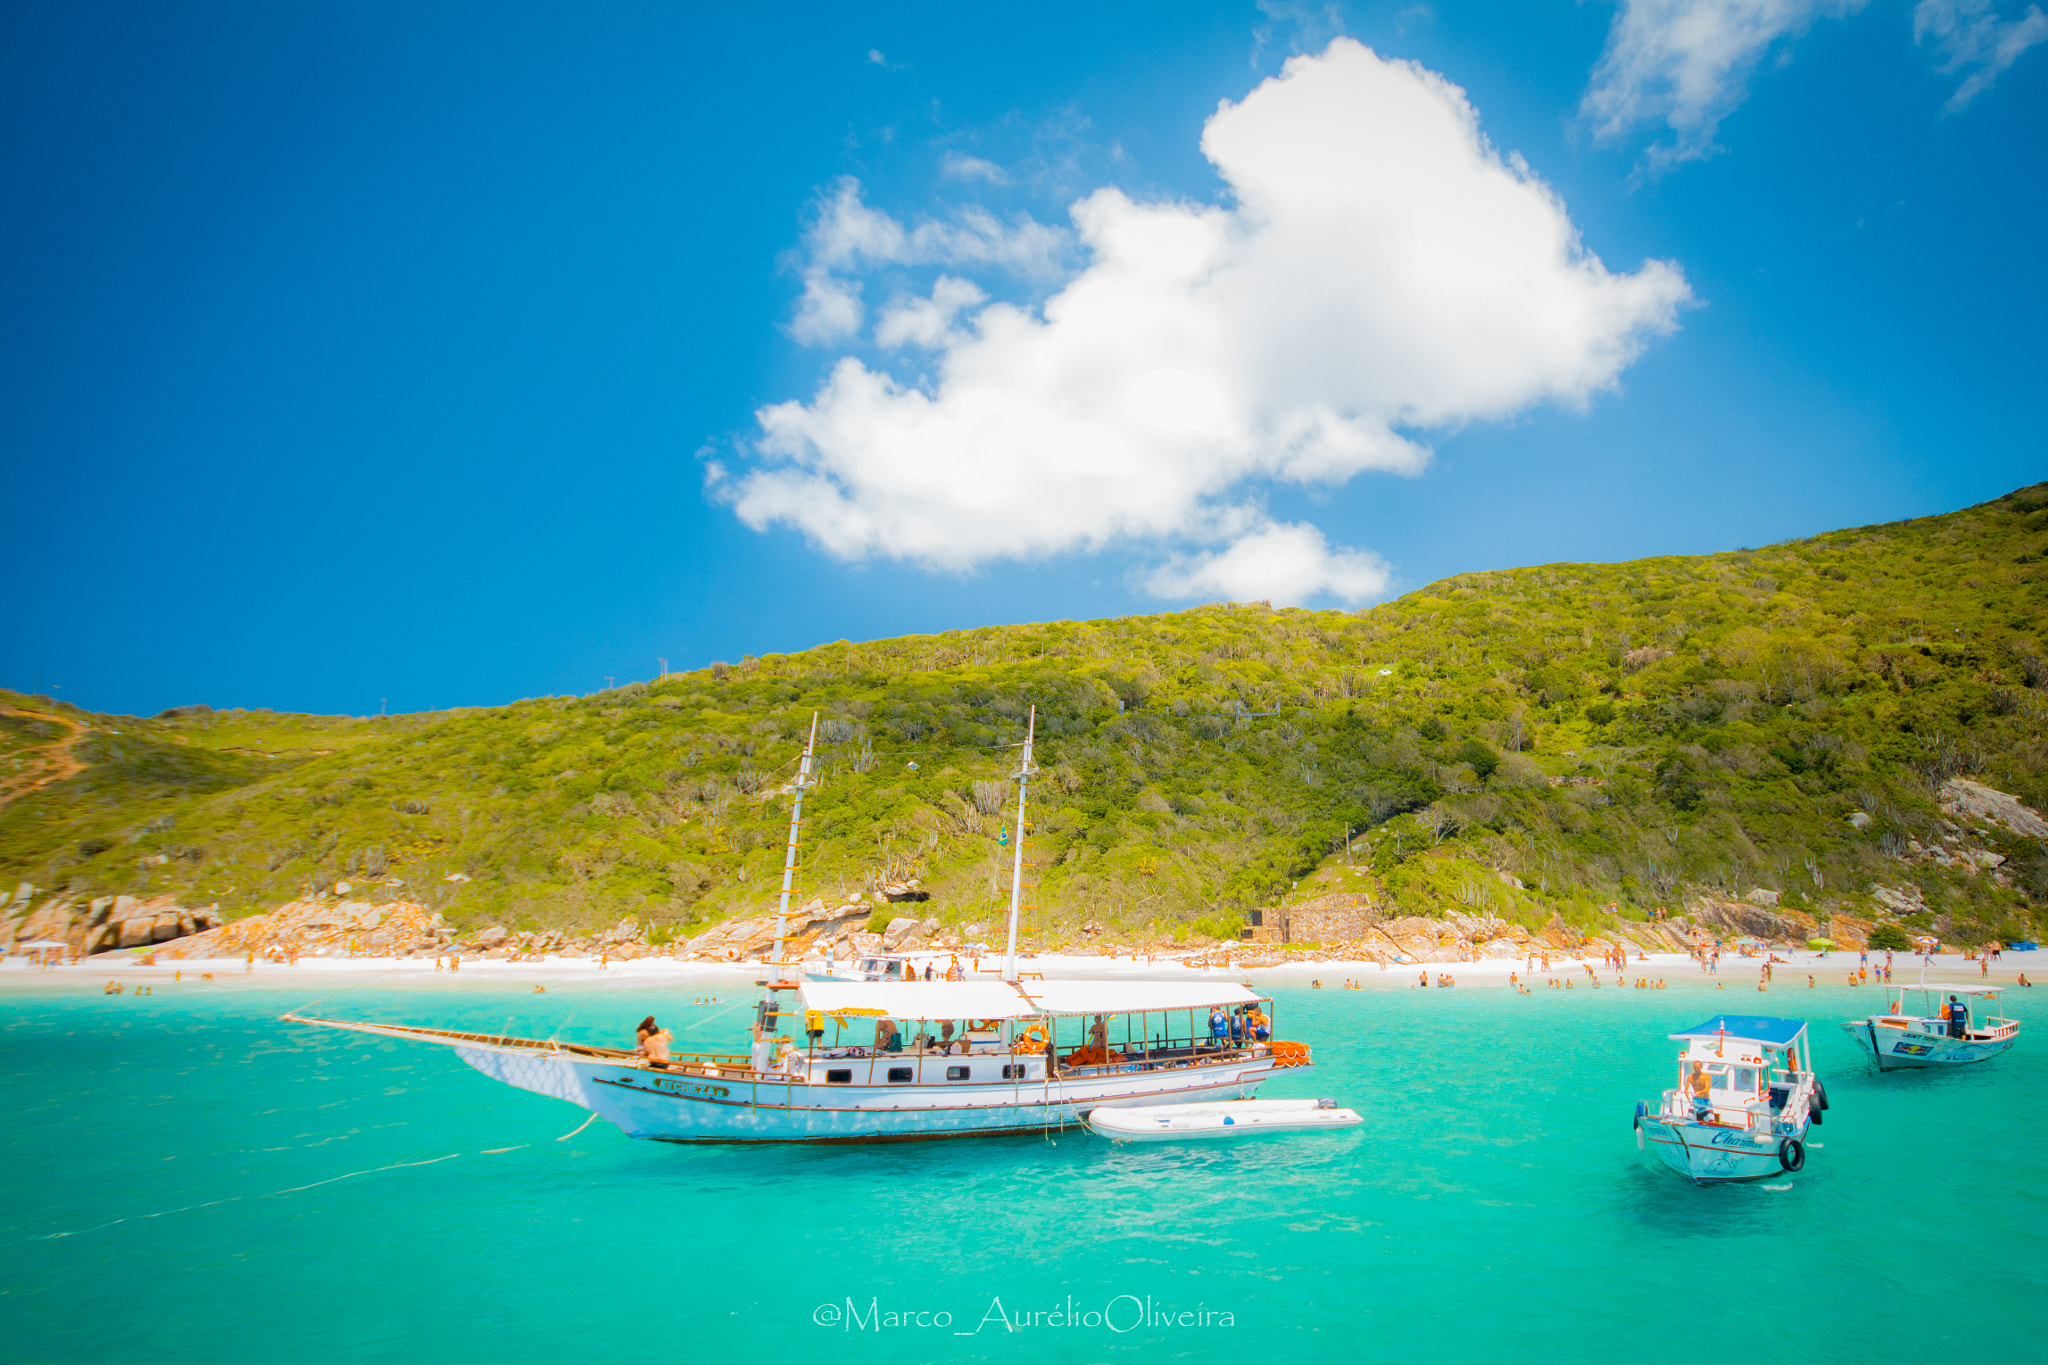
110,922
320,927
1742,917
753,936
1973,803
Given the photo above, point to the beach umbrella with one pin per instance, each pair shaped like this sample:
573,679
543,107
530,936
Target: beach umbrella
1820,943
38,945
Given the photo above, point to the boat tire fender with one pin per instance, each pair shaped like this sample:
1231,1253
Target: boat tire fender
1791,1155
1820,1093
1640,1111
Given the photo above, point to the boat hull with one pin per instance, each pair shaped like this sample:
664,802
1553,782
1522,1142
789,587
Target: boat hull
1898,1049
673,1107
1710,1155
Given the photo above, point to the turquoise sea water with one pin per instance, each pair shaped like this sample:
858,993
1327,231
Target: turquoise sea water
189,1179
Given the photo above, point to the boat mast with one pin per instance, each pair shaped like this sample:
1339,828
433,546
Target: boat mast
796,819
1017,862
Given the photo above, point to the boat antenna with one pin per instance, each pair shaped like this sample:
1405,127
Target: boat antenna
1017,860
796,819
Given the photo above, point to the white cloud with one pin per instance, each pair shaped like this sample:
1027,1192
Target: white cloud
1286,564
928,322
1973,38
848,236
960,167
1687,64
1379,271
828,311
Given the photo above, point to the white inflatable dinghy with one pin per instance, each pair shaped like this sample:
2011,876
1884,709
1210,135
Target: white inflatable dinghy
1227,1118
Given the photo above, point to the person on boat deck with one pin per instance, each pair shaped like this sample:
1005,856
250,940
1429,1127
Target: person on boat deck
1219,1025
654,1041
887,1039
1701,1084
814,1026
1958,1018
1262,1027
954,971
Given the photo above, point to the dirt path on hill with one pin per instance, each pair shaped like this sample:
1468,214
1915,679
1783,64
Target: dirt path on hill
52,762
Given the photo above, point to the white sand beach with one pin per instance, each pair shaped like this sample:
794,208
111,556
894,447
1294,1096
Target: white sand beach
1676,970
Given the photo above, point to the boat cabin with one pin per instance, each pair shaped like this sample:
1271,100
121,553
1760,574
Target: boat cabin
922,1033
1756,1070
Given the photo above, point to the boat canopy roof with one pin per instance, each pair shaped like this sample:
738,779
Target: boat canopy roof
1752,1028
918,999
1135,997
983,999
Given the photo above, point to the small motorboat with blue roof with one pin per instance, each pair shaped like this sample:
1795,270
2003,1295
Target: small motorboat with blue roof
1744,1100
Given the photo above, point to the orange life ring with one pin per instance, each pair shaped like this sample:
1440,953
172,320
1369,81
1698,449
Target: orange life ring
1031,1041
1289,1054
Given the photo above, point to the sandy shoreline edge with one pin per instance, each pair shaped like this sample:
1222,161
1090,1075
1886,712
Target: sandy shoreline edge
1675,969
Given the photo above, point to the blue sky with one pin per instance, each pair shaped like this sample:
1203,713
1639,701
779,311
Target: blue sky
432,355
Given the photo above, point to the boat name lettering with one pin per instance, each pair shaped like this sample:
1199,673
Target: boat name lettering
672,1086
1123,1313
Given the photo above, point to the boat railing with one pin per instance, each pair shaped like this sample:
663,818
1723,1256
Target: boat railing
1156,1060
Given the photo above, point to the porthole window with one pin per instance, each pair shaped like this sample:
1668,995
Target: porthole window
956,1073
840,1075
898,1073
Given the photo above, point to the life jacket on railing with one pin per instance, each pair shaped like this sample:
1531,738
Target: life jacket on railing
1289,1054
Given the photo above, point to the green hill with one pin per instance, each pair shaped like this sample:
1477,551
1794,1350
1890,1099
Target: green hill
1605,734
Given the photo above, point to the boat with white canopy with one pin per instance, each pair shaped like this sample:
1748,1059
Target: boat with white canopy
1932,1024
902,1060
1743,1103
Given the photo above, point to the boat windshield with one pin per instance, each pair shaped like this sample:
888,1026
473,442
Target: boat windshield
1726,1076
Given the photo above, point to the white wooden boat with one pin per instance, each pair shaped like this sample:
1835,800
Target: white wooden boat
908,1060
1760,1101
1931,1024
1234,1118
